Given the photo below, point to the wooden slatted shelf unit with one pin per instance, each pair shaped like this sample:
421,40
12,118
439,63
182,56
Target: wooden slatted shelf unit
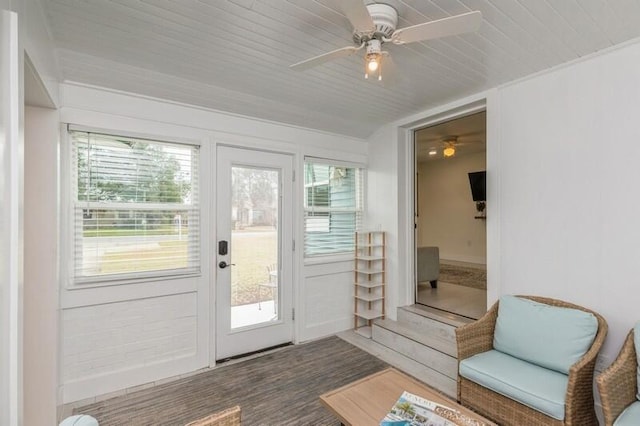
370,280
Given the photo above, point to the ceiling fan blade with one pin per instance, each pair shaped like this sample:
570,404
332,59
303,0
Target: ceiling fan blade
325,57
358,14
459,24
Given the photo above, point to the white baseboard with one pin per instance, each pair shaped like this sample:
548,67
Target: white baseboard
329,328
451,258
118,382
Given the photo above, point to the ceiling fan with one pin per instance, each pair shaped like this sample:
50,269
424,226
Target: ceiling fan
375,24
450,144
447,145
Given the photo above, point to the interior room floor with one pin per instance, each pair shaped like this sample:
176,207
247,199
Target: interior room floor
461,300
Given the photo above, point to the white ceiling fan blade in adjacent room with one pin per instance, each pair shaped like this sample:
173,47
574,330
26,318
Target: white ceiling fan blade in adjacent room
357,13
325,57
454,25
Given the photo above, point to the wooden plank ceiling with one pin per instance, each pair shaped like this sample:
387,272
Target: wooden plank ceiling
233,55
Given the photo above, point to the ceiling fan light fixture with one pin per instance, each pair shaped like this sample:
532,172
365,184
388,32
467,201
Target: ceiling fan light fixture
373,58
449,151
372,64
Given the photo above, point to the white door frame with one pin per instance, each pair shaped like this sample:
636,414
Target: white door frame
11,193
406,190
254,337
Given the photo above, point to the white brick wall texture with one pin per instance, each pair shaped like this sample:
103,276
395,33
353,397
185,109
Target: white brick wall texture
328,299
102,339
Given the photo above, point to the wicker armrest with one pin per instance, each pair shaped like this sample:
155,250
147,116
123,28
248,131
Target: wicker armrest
618,383
579,397
477,337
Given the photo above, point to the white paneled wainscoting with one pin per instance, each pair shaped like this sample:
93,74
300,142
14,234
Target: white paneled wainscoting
129,334
329,296
116,345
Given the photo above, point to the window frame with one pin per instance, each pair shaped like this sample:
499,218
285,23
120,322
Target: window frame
67,207
361,186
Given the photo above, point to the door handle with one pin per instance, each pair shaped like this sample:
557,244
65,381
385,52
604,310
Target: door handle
224,264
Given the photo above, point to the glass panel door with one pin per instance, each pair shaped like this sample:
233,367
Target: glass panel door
255,294
254,251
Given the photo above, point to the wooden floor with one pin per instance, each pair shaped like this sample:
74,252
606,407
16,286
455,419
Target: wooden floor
279,388
460,300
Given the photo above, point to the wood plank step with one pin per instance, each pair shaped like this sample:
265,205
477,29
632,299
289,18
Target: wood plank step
434,336
428,356
421,372
434,314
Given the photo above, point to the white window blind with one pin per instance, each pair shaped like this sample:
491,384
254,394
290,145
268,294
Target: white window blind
136,208
332,207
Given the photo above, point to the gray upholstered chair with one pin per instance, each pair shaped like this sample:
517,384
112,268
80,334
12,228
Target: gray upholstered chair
428,265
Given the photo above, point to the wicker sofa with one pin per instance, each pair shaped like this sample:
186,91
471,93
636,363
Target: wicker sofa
618,386
477,338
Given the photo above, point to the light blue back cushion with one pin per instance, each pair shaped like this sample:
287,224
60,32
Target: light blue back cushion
548,336
636,342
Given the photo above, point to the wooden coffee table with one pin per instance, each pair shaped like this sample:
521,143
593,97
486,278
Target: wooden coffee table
368,400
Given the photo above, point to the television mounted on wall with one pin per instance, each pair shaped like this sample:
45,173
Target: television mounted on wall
478,183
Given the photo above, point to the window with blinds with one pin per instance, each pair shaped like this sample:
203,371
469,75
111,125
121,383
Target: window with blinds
135,208
332,207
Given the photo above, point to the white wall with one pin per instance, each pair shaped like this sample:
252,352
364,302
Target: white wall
562,167
41,266
106,344
447,210
383,207
570,155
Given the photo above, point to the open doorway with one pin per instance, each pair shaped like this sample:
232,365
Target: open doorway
451,240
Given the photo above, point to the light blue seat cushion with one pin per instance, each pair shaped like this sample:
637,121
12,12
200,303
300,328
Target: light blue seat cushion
539,388
549,336
630,416
636,342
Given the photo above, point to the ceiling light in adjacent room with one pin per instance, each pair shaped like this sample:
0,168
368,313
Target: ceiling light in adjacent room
432,151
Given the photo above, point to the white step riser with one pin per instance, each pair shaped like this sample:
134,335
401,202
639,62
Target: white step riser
432,358
436,380
445,333
421,372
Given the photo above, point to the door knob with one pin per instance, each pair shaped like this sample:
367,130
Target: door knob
224,264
